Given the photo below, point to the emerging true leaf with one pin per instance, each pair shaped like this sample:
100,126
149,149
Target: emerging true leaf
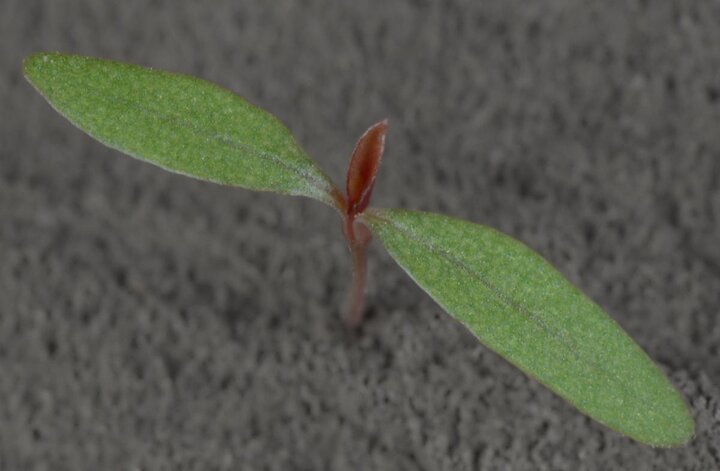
363,167
177,122
520,306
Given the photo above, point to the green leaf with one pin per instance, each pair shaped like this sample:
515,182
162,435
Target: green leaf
520,306
178,122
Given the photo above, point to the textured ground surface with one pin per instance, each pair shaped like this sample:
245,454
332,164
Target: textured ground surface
148,321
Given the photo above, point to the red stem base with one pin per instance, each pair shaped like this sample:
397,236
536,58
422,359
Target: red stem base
358,237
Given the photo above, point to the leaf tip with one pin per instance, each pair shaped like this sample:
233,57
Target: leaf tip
685,432
33,64
33,59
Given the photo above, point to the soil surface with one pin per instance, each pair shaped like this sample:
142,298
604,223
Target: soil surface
149,321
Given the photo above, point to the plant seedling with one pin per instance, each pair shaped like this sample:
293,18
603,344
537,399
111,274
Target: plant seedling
508,296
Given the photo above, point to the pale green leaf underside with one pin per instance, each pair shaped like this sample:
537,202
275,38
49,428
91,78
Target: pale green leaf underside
520,306
177,122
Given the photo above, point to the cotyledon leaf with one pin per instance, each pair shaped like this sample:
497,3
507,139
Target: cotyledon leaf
180,123
520,306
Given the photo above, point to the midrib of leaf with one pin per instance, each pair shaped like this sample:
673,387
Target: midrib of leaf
180,123
559,335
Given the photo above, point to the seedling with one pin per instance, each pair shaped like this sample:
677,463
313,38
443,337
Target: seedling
508,296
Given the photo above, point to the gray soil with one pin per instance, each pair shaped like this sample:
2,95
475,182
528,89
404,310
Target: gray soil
149,321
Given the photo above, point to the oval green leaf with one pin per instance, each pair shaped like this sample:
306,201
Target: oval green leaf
520,306
180,123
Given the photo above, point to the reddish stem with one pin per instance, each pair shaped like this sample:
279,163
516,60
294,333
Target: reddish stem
359,183
358,237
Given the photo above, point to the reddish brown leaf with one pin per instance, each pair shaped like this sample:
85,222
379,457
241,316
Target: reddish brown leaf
364,166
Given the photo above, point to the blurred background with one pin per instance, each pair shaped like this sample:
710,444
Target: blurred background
150,321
